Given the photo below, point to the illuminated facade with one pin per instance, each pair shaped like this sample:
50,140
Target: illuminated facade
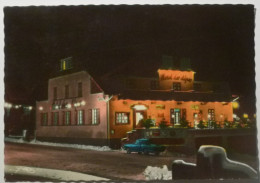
78,109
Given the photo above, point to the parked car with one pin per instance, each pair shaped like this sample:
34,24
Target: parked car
144,146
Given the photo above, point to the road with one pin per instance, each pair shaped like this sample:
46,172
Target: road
116,165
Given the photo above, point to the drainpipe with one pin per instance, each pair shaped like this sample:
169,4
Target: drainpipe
108,121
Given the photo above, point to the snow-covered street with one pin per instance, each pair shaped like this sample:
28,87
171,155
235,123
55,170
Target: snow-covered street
90,161
96,161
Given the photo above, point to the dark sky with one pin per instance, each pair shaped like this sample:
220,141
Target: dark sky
219,40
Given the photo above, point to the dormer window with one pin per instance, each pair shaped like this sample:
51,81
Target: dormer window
66,64
176,86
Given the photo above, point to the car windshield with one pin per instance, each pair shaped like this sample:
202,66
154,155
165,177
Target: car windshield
142,142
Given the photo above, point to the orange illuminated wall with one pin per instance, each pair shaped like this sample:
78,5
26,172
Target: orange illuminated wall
168,77
160,110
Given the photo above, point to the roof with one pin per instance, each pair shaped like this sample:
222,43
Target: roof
173,95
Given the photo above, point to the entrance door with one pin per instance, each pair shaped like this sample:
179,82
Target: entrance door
139,115
196,120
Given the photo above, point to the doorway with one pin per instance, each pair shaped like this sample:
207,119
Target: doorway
138,116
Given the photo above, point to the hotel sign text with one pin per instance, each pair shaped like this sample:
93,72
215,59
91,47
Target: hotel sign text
184,78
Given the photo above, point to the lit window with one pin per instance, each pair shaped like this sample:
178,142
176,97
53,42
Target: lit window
66,63
94,116
175,116
55,118
211,114
44,119
80,117
67,118
122,118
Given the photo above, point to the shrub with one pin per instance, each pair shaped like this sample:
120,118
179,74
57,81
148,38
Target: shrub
228,124
147,123
163,124
184,123
201,125
213,124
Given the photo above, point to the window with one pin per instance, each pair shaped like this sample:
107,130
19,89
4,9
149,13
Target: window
176,86
211,114
44,119
94,116
66,64
55,118
80,117
154,85
122,118
55,93
175,116
183,114
67,91
80,89
67,118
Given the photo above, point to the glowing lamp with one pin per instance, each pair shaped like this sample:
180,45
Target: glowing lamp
68,106
209,115
7,105
30,108
16,106
235,105
245,115
56,107
83,102
140,107
234,116
40,108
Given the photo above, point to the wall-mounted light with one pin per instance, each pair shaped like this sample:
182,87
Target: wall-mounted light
8,105
83,102
235,105
140,107
68,106
40,108
245,115
30,108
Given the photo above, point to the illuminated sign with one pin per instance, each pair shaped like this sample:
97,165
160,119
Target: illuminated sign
176,75
195,107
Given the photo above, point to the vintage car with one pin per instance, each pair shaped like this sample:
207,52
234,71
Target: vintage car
144,146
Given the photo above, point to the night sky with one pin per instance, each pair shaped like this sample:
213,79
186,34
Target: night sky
219,40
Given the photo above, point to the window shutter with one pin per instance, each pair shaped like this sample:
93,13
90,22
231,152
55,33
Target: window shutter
89,116
98,116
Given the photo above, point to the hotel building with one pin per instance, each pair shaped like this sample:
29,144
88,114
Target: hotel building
81,109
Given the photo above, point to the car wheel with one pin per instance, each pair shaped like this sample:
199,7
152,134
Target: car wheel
128,151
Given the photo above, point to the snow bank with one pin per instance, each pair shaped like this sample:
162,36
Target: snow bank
157,173
76,146
59,175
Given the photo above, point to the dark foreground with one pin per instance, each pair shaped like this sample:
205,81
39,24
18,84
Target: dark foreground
116,165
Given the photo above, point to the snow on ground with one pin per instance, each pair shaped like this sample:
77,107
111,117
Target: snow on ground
76,146
59,175
157,173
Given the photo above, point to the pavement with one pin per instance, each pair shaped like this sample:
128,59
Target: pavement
59,175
